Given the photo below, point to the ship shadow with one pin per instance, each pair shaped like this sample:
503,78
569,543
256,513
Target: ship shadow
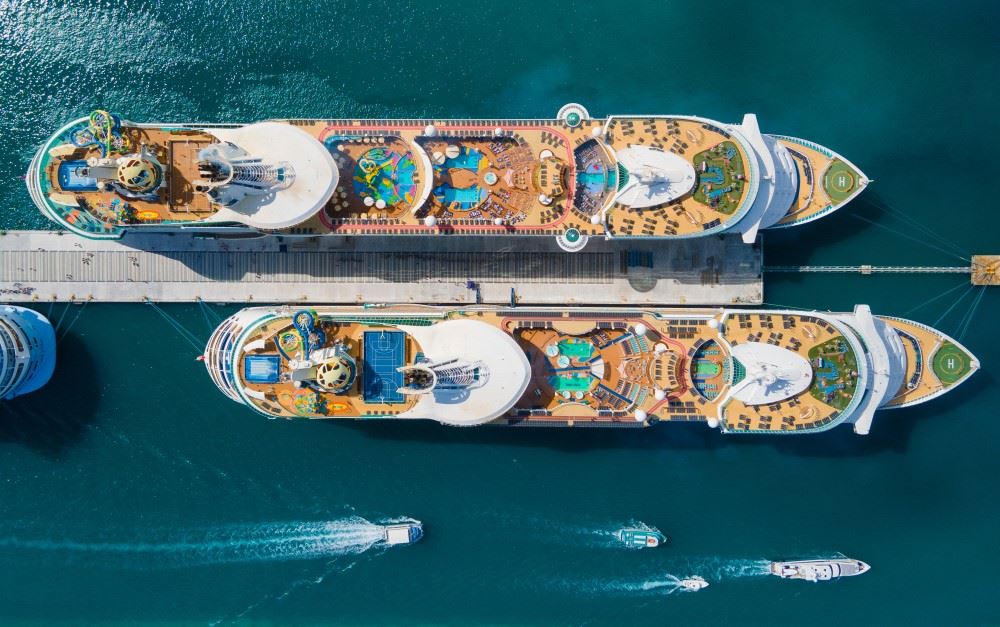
799,245
54,419
892,431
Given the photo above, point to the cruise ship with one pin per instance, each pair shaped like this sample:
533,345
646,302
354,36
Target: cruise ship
741,371
27,351
571,177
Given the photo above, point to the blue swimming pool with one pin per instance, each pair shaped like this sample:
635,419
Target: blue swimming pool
468,159
467,197
74,177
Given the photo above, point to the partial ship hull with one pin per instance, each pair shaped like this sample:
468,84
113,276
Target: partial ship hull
27,351
572,177
740,371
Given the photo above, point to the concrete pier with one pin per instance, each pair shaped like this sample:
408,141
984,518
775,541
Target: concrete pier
55,266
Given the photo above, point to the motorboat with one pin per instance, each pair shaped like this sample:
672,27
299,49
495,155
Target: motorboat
693,584
403,533
641,538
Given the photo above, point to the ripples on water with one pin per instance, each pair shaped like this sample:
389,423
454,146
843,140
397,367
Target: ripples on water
264,542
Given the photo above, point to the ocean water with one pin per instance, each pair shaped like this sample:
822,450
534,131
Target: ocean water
132,491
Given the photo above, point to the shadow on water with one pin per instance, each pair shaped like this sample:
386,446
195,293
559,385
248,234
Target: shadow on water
799,245
891,432
54,418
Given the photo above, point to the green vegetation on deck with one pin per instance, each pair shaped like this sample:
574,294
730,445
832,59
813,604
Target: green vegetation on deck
834,381
723,158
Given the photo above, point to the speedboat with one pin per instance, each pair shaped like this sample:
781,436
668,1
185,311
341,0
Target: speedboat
693,584
403,533
641,538
819,570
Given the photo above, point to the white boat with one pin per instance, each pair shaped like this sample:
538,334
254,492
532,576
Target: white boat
693,584
403,533
819,570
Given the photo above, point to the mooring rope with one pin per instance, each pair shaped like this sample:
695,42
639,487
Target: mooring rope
912,238
964,327
936,298
190,337
953,305
73,321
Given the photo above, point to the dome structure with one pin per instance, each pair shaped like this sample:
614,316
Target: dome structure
139,175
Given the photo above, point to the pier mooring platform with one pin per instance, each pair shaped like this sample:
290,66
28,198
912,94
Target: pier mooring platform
46,266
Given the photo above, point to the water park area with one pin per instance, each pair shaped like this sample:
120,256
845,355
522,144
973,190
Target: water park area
379,177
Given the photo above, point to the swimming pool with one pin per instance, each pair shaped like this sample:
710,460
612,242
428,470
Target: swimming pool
74,176
468,159
563,383
581,350
467,197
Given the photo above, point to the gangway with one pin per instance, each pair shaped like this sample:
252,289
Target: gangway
983,270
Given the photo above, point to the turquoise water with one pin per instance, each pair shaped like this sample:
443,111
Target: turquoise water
134,491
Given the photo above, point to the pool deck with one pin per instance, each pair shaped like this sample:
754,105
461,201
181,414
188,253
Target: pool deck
45,266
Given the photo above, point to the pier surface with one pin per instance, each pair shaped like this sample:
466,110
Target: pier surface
54,266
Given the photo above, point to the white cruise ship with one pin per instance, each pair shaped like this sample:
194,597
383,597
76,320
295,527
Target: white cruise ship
27,351
741,371
571,177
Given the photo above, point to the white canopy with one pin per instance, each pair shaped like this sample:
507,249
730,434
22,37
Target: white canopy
508,372
655,176
314,171
773,373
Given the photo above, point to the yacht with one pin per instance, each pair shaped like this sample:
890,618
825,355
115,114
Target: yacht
819,570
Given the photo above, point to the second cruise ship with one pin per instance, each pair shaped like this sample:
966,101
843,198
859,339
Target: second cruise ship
742,371
27,351
571,177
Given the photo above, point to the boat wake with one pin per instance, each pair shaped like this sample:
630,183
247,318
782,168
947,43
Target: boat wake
718,569
590,535
264,542
661,585
703,572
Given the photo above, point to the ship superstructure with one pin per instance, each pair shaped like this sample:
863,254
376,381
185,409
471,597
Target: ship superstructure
27,351
572,177
743,371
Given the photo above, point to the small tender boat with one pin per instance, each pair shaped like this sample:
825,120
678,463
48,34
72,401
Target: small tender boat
693,584
403,533
819,570
641,538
